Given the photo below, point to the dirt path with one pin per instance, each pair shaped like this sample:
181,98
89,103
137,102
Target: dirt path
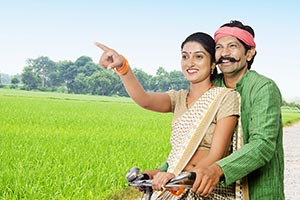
291,143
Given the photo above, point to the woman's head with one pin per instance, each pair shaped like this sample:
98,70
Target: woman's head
204,41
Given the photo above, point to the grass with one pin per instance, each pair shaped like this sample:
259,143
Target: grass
290,117
62,146
53,147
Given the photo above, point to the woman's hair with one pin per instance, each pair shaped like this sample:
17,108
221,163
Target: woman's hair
238,24
208,44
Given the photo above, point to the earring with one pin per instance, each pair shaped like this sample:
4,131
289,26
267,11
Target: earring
212,71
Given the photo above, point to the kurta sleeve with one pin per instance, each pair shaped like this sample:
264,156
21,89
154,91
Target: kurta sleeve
261,114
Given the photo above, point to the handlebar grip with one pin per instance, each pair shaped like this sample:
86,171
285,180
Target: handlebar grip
192,176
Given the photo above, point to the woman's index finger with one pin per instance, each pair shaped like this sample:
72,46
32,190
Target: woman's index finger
102,46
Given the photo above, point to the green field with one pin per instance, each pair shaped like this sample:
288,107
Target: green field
62,146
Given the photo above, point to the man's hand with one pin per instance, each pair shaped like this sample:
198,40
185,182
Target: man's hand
206,179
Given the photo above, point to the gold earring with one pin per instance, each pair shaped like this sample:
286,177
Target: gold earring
212,71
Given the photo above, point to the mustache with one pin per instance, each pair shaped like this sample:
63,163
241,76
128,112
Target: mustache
231,59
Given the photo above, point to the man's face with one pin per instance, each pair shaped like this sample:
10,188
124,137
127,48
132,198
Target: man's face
231,57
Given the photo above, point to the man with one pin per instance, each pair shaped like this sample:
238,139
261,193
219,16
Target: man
261,157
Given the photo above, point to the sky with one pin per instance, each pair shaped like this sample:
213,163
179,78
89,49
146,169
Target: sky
148,33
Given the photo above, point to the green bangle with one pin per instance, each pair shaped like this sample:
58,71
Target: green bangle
222,180
164,167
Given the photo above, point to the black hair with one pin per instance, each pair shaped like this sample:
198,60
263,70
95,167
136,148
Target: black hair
236,23
208,44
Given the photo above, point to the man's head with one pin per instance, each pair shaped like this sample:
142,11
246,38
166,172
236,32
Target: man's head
235,47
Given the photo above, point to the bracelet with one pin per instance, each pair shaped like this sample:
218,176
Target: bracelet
124,68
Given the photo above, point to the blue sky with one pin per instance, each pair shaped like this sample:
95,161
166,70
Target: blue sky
148,33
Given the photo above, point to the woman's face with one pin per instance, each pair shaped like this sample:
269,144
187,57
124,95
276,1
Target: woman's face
195,62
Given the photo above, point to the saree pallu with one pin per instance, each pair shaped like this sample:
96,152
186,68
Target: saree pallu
187,134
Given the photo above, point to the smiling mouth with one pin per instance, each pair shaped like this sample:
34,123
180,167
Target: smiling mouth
227,60
191,70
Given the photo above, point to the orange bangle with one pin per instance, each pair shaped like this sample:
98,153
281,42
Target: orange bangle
177,192
124,68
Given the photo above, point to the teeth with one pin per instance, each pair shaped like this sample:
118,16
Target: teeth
224,61
191,70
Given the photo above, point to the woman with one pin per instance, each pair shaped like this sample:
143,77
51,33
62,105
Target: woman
205,116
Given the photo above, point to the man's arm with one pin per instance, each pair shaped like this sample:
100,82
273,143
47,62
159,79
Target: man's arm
264,121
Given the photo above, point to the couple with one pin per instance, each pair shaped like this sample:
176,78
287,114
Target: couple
227,127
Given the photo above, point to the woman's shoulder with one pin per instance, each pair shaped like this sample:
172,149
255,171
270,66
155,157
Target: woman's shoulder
178,93
229,93
178,98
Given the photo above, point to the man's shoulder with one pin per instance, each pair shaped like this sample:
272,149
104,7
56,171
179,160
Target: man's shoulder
256,83
257,76
254,79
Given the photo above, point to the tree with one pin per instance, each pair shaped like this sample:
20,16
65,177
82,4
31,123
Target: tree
67,73
178,81
143,78
86,65
83,60
30,80
43,67
80,84
15,81
103,82
160,82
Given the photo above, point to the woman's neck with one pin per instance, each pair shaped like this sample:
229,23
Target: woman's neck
196,91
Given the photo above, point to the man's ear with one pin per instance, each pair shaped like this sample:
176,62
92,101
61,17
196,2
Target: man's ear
251,53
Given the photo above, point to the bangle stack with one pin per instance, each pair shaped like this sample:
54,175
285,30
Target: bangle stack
124,68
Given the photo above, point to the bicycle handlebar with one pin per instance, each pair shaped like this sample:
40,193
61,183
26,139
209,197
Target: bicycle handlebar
142,181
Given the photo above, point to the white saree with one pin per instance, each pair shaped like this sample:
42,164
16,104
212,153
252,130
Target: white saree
187,133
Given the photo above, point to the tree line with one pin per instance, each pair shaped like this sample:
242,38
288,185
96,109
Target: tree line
85,77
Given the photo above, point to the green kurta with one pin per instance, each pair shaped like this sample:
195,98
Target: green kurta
261,158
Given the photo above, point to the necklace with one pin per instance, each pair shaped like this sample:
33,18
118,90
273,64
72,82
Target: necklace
190,100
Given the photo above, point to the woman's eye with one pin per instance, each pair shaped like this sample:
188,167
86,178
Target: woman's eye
184,57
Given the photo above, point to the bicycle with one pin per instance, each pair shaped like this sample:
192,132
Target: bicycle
142,182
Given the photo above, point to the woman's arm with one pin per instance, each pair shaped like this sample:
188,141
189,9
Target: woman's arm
110,59
221,141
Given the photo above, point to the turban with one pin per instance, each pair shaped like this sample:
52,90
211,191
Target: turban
241,34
